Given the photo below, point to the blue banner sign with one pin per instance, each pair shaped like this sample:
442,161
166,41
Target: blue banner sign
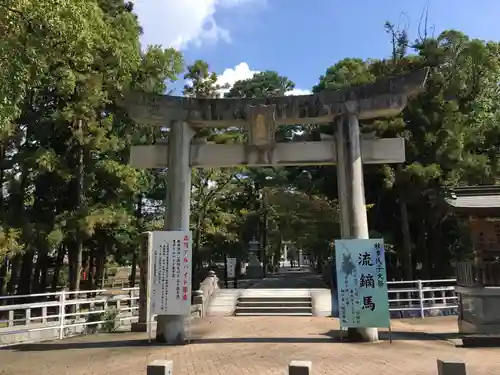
362,283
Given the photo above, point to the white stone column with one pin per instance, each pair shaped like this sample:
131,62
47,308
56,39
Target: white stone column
170,328
357,206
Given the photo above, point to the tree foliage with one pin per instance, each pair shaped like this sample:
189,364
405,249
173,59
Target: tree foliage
71,205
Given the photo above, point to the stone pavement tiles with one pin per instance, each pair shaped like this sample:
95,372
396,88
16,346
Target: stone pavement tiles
247,346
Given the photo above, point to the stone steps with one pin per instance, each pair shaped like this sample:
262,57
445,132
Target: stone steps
267,300
274,306
223,303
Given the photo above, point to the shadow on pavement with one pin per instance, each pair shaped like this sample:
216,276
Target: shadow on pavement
333,336
398,336
49,346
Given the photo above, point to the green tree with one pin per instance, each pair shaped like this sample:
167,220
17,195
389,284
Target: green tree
444,130
70,190
261,85
209,223
201,82
272,212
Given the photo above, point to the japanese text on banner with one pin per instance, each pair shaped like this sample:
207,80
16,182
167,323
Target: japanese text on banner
361,283
171,272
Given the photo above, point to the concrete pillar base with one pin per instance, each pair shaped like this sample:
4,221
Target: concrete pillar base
171,329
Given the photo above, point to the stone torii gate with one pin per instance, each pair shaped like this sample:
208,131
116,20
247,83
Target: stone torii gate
260,117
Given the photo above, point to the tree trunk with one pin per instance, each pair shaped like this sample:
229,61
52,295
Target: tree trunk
15,269
3,274
264,241
136,252
2,180
75,265
423,250
197,244
44,274
76,252
405,229
37,273
57,267
26,272
26,266
99,267
434,243
407,248
5,263
90,270
133,271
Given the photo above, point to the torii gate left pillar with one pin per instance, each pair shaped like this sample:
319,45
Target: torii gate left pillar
171,328
384,98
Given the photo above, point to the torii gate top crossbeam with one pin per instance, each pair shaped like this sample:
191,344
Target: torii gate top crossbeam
384,98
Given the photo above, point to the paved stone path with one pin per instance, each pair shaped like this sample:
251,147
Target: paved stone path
291,278
255,346
248,346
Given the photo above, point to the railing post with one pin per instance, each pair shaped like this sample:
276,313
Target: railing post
131,301
398,302
27,316
198,300
62,313
44,314
11,318
421,298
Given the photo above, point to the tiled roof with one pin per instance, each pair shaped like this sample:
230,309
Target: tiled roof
487,196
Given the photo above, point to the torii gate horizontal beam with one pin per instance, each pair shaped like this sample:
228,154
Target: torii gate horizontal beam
373,151
384,98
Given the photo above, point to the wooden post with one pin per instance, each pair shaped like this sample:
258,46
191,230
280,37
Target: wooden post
160,367
451,367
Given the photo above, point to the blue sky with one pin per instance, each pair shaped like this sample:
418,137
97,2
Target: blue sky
299,38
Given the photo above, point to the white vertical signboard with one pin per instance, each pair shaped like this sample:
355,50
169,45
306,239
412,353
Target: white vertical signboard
171,272
231,268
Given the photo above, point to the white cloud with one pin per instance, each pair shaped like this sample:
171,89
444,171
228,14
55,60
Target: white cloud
242,71
298,92
176,23
231,75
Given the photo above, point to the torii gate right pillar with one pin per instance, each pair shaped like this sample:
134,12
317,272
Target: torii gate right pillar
353,220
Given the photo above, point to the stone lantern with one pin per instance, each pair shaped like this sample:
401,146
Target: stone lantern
254,268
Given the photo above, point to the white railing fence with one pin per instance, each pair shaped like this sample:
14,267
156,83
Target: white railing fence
421,298
65,310
68,311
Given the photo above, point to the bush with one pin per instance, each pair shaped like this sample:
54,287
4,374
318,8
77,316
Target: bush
108,319
111,321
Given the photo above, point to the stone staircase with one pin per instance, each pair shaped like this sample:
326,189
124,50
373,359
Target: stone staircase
279,302
223,303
